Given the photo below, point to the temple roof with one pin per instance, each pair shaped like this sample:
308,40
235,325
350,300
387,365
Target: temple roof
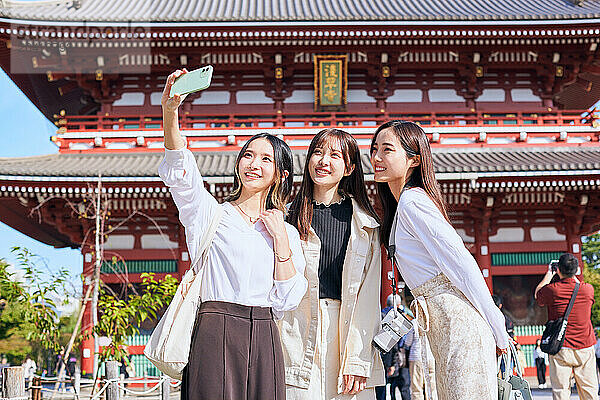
142,166
296,11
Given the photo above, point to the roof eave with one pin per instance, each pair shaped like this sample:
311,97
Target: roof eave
473,21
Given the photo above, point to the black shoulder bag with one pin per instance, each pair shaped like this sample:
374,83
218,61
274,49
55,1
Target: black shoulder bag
554,333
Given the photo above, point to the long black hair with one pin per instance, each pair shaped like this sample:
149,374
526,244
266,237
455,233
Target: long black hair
414,142
281,189
301,210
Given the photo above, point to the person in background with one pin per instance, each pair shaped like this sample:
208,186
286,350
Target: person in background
577,356
541,360
510,326
417,370
123,372
3,364
397,373
521,356
396,366
71,362
29,367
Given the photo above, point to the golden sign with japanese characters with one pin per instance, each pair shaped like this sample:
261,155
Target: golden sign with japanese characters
331,82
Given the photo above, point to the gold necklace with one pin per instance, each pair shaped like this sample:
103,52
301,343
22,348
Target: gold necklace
252,220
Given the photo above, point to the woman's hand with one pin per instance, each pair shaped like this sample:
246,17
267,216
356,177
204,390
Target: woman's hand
354,384
284,267
171,104
500,351
273,220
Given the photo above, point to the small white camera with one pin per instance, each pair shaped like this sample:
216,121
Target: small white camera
393,327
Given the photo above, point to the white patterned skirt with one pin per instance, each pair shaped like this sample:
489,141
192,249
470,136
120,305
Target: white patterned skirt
461,342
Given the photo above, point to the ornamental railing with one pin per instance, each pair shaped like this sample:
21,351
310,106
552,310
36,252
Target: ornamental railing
314,120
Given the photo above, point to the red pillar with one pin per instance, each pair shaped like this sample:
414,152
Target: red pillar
87,344
185,259
481,251
574,247
484,260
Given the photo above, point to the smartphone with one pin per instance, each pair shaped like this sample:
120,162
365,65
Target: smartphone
193,81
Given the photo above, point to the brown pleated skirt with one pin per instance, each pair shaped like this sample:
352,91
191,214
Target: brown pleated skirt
235,355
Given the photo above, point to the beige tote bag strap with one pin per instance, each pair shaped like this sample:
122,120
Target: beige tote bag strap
206,241
201,252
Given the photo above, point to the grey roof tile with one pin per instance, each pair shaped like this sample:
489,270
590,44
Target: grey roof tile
221,164
297,10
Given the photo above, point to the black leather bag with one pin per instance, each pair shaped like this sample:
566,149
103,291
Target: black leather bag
554,333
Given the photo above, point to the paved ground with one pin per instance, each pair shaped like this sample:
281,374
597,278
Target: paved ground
546,394
538,394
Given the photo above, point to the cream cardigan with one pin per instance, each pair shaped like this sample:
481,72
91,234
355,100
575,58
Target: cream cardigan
360,311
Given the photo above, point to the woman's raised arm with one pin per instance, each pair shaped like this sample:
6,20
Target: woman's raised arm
170,110
179,171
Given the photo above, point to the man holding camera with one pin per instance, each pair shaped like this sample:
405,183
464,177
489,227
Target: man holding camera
577,355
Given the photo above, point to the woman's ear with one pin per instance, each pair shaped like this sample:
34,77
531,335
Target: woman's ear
349,171
415,161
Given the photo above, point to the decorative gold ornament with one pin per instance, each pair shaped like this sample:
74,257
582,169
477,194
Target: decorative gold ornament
385,71
479,71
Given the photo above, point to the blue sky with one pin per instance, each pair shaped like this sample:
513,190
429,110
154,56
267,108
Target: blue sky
24,131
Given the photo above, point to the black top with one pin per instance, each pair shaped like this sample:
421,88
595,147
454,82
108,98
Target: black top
332,226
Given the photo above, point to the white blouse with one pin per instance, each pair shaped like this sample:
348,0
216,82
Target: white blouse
240,262
427,245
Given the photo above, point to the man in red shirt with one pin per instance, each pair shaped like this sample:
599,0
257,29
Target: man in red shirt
577,355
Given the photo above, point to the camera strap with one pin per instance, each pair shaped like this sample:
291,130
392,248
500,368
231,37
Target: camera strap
391,255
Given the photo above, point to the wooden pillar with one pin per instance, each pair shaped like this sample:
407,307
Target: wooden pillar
112,372
13,383
36,389
77,381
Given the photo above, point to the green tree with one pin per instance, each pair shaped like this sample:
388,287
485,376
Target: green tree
121,318
13,332
591,250
591,273
29,321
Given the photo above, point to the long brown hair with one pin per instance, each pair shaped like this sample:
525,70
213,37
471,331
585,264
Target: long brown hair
301,210
280,191
414,142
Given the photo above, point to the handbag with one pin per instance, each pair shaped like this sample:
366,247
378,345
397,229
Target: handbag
510,386
554,333
169,345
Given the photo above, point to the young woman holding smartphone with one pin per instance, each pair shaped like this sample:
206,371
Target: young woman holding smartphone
253,269
327,339
453,303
